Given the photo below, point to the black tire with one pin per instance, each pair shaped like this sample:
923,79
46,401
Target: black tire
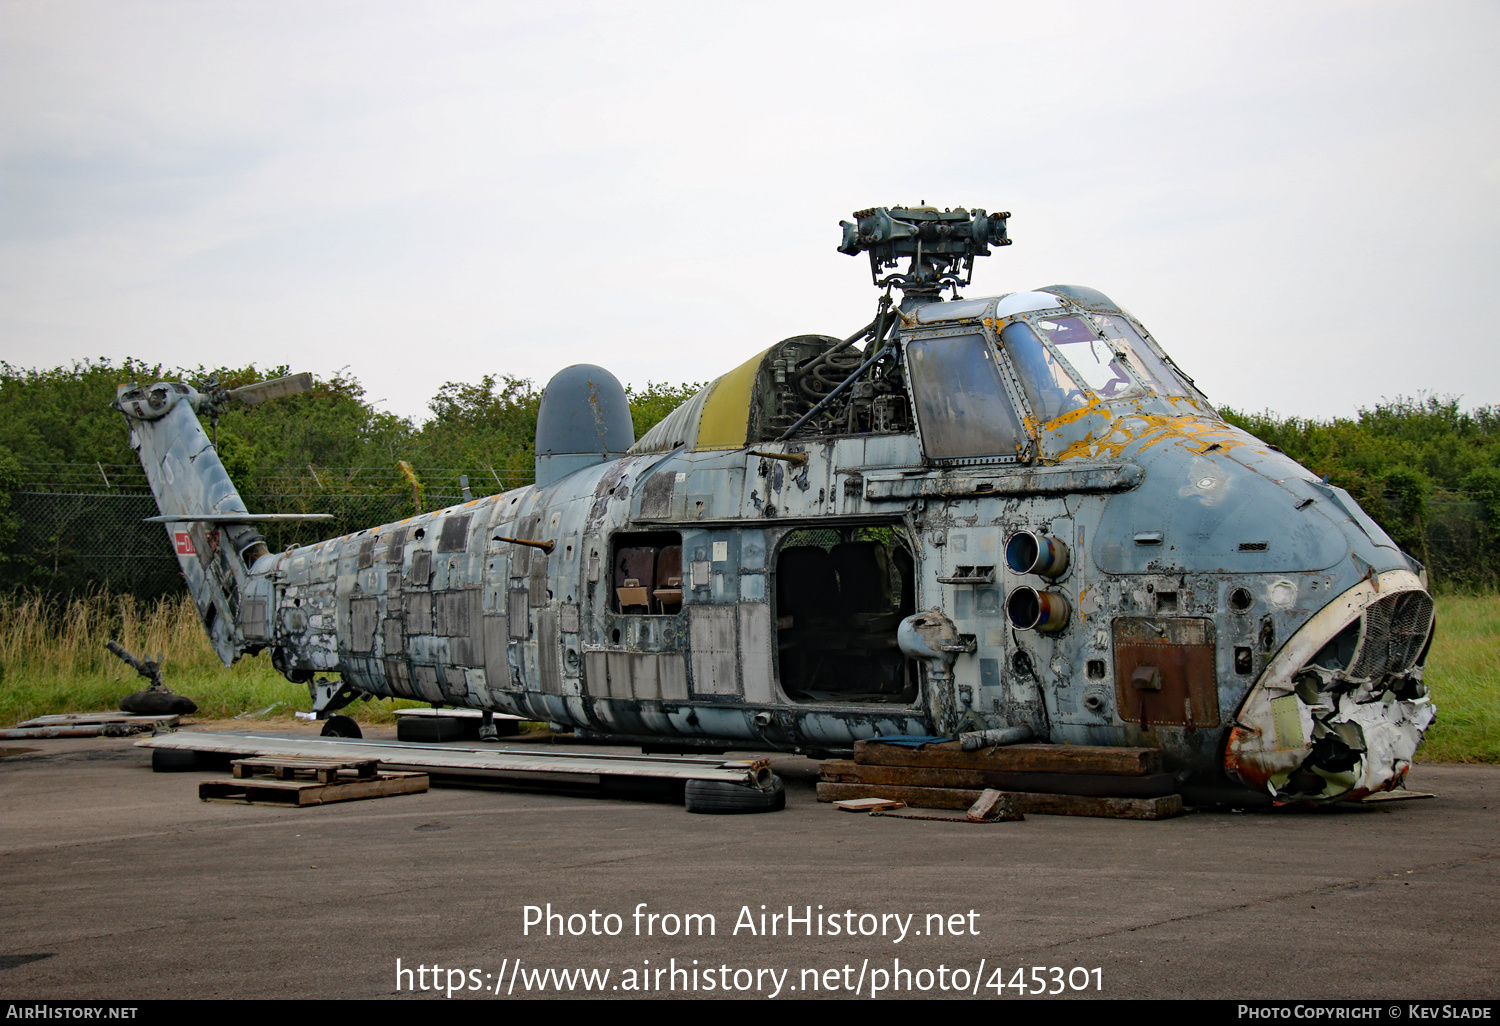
720,797
174,760
341,726
435,729
158,703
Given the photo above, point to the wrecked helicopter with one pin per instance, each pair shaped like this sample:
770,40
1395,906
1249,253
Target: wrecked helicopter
1003,517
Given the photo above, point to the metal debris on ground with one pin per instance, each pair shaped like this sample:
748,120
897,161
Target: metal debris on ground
894,814
867,804
157,698
89,724
259,712
1394,796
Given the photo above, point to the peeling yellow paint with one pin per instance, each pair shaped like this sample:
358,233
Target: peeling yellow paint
1145,430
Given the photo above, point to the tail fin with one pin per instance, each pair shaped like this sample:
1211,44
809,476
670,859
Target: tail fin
204,515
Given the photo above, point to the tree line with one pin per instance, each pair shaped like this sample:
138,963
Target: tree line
1425,468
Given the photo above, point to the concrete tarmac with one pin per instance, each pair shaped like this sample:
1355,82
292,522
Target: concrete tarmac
118,883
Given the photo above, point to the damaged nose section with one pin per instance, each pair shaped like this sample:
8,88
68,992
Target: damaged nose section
1339,712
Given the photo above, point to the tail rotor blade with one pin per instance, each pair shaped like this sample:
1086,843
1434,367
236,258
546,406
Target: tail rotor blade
275,388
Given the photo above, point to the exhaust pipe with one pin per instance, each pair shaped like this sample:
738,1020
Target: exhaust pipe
1031,553
1045,611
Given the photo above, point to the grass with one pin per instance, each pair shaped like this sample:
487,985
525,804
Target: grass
53,660
1463,670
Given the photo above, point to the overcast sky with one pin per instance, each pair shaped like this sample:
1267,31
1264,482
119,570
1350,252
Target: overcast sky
1299,199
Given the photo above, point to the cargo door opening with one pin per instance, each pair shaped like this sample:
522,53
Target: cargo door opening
840,595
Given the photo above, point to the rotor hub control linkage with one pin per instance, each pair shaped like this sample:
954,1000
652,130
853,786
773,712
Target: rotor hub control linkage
941,245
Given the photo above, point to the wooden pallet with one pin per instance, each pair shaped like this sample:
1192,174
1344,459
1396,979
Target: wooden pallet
326,780
290,767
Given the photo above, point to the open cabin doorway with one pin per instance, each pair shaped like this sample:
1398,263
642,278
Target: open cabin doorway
840,594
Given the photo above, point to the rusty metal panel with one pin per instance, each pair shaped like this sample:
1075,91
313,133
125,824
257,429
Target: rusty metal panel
715,651
364,617
455,534
367,550
548,663
419,613
755,651
519,609
656,495
571,620
1164,671
392,634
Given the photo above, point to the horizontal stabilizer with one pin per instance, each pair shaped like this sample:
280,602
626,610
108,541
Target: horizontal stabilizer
237,518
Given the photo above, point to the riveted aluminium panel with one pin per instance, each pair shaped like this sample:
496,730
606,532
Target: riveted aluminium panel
755,651
715,650
548,664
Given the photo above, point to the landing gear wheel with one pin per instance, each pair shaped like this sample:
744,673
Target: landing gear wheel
720,797
341,726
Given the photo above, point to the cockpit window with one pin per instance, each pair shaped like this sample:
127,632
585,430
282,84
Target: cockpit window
962,407
1049,388
1158,375
1089,355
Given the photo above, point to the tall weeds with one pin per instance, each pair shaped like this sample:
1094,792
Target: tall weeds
41,637
53,658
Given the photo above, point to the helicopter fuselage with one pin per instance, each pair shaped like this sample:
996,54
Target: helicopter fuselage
1002,538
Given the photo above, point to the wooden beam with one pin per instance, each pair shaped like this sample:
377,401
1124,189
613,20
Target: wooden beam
1014,758
1026,803
1154,785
